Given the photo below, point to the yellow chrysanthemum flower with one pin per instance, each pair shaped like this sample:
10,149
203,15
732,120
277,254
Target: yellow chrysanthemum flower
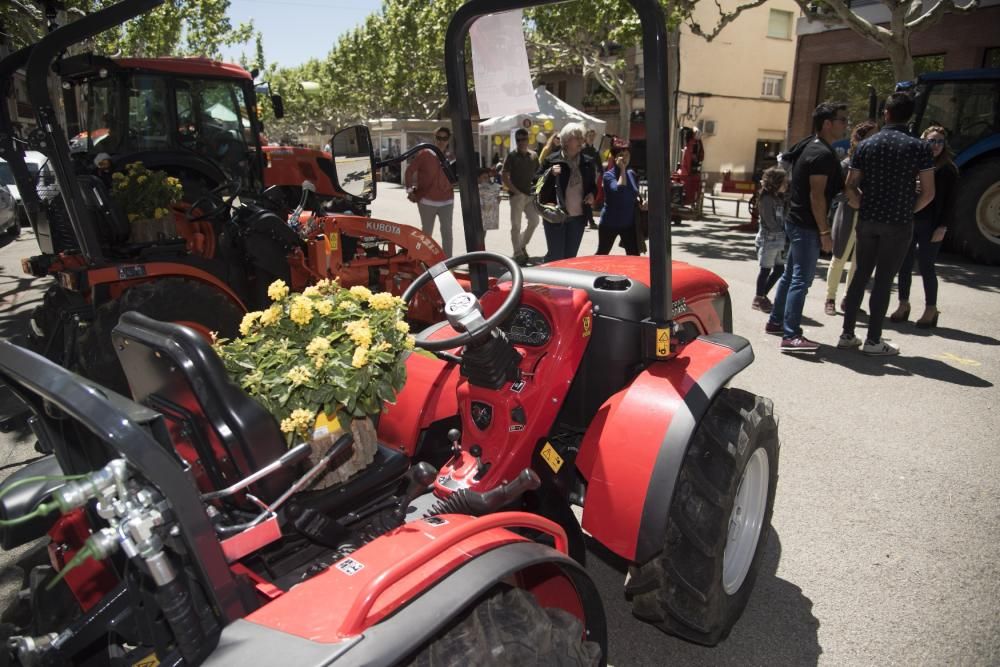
324,307
278,290
382,347
312,292
301,311
360,332
248,321
347,306
410,342
318,346
382,301
402,327
299,375
300,421
143,178
117,176
326,285
271,316
360,357
361,292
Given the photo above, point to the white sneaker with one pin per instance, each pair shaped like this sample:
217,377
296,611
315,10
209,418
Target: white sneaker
880,349
847,341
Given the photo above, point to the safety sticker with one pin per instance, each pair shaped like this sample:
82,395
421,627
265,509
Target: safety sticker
333,240
586,326
514,428
518,386
663,342
552,457
435,521
349,566
149,661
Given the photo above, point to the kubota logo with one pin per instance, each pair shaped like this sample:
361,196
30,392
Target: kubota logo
384,227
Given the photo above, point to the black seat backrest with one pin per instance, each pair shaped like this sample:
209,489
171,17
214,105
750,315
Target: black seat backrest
113,227
215,426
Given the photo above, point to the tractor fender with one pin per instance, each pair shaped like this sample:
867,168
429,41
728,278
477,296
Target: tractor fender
118,278
364,613
632,452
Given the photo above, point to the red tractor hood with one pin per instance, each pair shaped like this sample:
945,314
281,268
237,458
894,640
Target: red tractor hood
688,281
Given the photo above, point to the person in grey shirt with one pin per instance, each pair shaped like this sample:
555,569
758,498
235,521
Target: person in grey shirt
519,171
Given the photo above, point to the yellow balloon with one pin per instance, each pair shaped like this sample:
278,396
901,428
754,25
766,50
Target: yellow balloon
535,129
506,142
548,125
498,140
532,138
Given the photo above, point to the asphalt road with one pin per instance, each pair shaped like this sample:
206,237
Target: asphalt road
887,516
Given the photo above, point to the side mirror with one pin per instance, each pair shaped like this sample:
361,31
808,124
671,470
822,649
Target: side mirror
278,105
354,162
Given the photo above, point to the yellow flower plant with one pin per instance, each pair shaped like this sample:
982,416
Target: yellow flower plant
143,193
326,350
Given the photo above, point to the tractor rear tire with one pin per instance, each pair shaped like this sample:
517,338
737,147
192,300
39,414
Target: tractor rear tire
697,586
166,299
975,232
510,628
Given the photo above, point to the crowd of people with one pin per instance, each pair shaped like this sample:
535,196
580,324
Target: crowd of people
883,207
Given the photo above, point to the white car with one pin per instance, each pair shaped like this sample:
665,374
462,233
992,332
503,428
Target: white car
40,170
9,227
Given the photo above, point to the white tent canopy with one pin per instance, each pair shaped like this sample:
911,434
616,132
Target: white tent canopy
551,108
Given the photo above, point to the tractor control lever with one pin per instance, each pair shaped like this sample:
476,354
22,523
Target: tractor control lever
455,436
421,477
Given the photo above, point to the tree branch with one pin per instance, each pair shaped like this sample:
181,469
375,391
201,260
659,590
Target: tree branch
844,16
934,14
725,18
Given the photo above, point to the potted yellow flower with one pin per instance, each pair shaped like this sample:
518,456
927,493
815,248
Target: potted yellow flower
145,196
326,358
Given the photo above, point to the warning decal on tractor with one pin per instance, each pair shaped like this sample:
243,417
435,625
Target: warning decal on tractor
586,326
663,342
149,661
332,241
552,457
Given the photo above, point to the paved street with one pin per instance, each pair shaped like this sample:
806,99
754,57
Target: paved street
887,517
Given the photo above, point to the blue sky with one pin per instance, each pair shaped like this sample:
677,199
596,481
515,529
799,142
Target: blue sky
297,30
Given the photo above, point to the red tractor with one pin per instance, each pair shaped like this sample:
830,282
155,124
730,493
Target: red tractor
196,120
606,377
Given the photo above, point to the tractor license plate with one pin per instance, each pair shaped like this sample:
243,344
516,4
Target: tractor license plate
552,457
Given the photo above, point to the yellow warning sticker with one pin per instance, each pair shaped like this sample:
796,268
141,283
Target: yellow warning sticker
552,457
332,240
663,342
149,661
586,326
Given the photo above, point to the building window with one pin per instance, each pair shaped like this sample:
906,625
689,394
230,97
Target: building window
779,24
773,85
991,57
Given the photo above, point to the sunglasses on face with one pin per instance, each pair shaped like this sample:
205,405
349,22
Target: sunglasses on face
439,137
935,142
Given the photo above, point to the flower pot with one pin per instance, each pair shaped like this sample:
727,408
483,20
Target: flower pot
148,230
356,459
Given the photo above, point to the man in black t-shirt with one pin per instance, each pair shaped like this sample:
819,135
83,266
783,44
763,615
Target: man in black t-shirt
815,180
886,168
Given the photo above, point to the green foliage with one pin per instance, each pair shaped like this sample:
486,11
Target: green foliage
848,82
178,27
143,193
328,349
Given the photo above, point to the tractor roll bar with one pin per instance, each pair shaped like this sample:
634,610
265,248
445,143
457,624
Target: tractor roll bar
654,45
56,144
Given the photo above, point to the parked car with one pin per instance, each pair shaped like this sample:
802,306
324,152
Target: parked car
45,181
9,229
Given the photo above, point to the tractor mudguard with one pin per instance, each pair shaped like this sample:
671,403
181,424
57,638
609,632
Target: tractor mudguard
341,613
632,452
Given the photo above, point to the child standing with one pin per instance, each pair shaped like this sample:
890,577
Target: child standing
771,235
489,200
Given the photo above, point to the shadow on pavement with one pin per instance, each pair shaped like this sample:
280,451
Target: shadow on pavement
777,626
954,269
16,309
715,240
932,369
942,332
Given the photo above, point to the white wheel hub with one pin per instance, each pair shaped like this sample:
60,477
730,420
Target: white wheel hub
988,213
746,521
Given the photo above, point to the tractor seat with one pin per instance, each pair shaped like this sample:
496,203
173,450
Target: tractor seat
112,226
224,434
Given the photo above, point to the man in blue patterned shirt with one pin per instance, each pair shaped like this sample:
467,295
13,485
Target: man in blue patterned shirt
891,177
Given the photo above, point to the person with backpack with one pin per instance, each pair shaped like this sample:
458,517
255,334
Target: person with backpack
816,180
567,183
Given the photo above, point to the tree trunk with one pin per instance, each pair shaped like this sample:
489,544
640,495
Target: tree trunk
901,57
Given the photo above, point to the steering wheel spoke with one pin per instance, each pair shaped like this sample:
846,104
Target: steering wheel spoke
447,285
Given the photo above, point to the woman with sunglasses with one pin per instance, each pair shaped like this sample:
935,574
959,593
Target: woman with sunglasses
930,226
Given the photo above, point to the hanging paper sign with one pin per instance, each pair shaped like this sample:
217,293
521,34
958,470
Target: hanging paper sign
500,66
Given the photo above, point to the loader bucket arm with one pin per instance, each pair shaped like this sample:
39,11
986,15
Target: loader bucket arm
654,44
11,149
56,145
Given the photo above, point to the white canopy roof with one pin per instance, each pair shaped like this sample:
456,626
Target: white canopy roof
551,108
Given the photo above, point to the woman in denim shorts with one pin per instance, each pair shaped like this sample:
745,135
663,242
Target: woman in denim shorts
771,235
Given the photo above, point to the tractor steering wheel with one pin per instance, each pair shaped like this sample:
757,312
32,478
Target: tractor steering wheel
218,203
462,308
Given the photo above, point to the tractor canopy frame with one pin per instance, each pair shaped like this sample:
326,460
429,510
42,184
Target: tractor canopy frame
654,44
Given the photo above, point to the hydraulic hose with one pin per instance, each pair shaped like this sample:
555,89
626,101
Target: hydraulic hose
174,600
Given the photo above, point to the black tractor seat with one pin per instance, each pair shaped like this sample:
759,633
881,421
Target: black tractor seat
175,371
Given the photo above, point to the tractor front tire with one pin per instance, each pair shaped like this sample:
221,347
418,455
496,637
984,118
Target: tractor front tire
168,300
718,525
510,628
975,231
